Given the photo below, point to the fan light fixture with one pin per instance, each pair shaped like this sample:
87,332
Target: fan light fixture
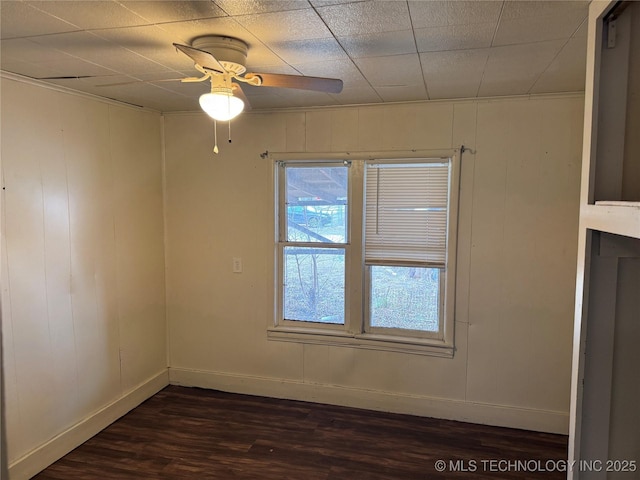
221,105
227,100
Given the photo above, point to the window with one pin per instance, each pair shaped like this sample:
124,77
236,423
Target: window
366,253
405,245
314,243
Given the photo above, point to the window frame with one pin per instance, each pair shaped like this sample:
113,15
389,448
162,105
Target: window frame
354,332
282,242
446,280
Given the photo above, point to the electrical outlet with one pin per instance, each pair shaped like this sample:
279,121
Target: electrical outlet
237,265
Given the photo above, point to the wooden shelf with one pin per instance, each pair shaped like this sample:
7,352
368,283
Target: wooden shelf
617,203
623,218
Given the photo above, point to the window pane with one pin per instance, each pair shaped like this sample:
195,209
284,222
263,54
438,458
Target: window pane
314,284
406,212
405,297
316,200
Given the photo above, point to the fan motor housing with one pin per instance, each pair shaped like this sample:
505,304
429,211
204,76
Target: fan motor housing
230,52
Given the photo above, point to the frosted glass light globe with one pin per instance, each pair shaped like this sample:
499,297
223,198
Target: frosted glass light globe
221,106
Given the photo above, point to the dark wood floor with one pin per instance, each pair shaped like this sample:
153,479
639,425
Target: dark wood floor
194,433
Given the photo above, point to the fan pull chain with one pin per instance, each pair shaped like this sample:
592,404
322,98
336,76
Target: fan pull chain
215,137
229,131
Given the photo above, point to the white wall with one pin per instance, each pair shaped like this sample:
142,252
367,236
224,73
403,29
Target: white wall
516,259
83,262
83,293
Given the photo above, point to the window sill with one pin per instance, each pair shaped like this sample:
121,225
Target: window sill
415,346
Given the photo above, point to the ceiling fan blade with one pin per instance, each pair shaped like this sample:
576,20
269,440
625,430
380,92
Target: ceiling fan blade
133,82
238,92
202,58
320,84
68,77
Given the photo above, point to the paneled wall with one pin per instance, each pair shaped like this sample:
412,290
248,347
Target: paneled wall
83,292
516,259
84,250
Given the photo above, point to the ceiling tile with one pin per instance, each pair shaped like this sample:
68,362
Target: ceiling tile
191,90
138,38
94,49
90,85
538,28
375,50
272,100
357,96
581,32
454,74
179,104
285,26
301,98
428,14
79,43
148,95
151,77
402,93
32,70
302,51
22,55
244,7
100,82
173,11
288,97
185,32
345,70
261,56
26,50
513,69
129,62
89,15
18,19
535,8
394,70
379,44
151,42
257,92
567,71
73,67
454,37
440,13
324,3
470,12
365,17
151,95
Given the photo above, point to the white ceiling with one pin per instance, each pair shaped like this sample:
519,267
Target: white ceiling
383,50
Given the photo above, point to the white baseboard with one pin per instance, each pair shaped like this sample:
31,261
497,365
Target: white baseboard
43,456
464,411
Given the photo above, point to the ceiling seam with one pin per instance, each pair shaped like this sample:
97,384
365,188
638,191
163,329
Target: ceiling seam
585,19
415,44
548,65
345,51
495,32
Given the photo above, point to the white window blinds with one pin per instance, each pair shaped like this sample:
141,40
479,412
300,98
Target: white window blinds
406,212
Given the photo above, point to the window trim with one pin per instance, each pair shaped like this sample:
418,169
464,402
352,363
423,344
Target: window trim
352,333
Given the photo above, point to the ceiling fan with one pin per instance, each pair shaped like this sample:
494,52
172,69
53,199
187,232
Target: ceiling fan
226,99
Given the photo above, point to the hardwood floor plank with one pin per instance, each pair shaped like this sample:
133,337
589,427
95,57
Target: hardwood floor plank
194,433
